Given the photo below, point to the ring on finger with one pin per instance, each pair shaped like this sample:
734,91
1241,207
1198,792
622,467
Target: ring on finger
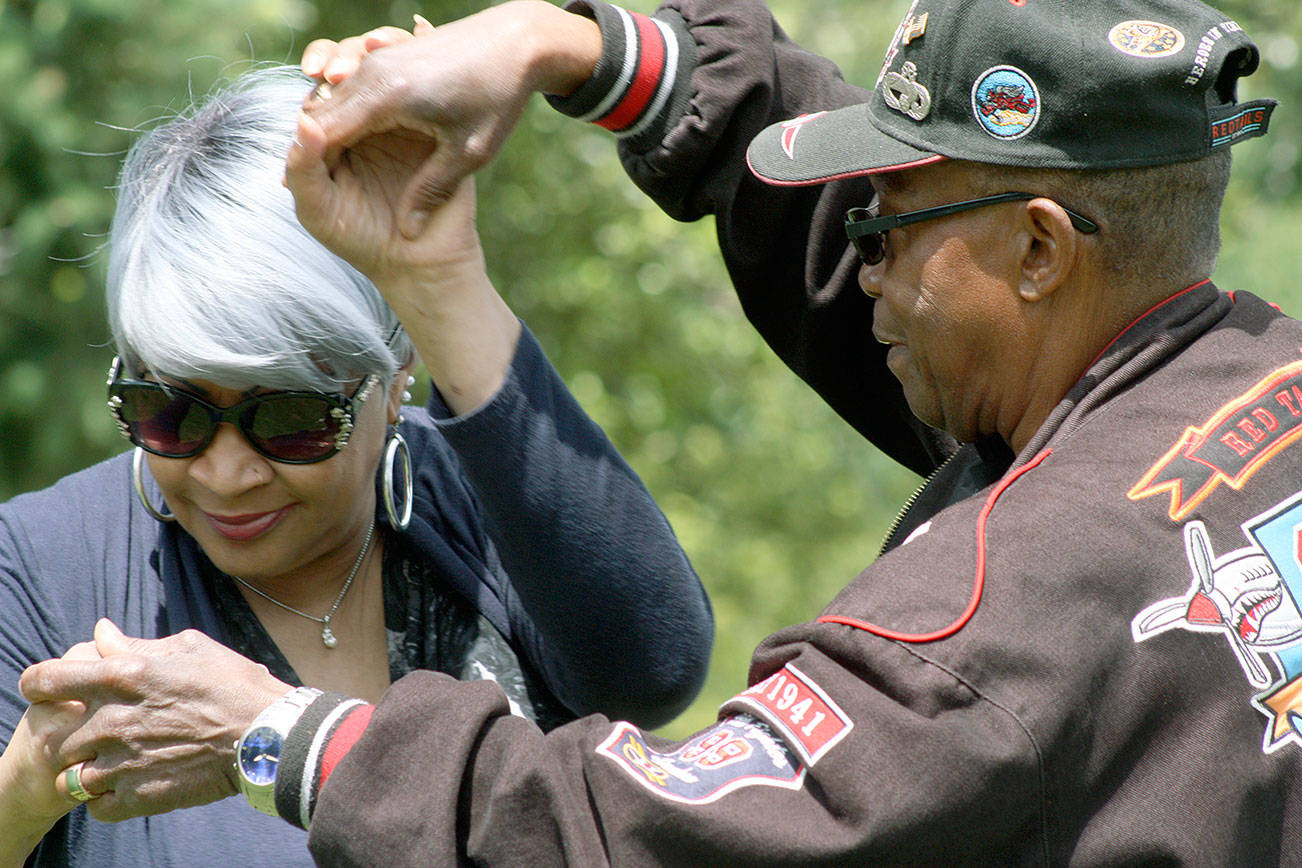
72,780
322,91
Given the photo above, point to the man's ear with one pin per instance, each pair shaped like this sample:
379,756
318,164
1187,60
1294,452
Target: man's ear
1052,252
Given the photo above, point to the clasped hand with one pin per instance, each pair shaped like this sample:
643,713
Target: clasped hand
447,96
153,722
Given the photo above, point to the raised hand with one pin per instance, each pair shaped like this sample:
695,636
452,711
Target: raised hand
460,87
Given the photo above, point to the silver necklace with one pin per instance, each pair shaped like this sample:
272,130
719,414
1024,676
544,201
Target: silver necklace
328,637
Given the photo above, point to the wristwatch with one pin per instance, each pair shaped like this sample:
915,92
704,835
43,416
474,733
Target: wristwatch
257,752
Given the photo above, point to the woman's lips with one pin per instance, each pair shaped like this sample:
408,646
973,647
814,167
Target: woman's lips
246,526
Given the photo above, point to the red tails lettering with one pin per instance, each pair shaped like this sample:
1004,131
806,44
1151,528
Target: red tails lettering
1291,399
1247,427
1238,444
1233,444
1236,123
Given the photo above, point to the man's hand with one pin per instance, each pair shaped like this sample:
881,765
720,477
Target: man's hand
352,208
161,719
460,88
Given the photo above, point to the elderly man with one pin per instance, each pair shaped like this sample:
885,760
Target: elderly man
1082,643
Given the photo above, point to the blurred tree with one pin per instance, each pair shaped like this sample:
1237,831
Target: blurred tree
777,502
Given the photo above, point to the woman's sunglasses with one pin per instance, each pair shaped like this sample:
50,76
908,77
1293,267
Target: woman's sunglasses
290,427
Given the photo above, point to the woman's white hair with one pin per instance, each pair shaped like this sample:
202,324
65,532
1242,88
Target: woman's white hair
210,274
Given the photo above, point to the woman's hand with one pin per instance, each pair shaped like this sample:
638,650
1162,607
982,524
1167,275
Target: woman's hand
382,162
160,722
435,281
352,208
30,803
460,88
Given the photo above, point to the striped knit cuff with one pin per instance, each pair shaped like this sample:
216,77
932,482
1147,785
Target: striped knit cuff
641,85
328,729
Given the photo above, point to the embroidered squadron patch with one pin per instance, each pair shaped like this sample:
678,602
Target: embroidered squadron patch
1250,597
739,751
1229,447
1005,102
1146,39
797,709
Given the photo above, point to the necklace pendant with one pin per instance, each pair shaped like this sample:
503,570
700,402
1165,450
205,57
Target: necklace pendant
328,637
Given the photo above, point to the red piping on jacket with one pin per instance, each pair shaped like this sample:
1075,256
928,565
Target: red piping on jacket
1139,318
978,584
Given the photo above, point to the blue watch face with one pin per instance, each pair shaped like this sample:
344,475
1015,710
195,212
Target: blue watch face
260,755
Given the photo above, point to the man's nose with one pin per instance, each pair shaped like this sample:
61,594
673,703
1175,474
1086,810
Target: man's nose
870,280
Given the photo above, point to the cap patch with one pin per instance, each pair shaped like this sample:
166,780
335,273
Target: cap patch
903,93
1247,123
1006,103
1147,39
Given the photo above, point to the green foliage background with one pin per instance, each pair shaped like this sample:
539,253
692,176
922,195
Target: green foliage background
777,502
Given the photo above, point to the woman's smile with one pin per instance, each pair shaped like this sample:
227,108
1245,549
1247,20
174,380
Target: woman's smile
246,526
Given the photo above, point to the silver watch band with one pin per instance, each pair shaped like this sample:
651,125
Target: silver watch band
278,718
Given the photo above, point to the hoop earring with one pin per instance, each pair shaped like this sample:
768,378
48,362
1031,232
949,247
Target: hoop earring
398,518
138,478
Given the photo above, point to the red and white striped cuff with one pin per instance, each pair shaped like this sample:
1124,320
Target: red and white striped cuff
645,62
324,734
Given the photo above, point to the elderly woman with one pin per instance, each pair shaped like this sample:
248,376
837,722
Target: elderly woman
283,500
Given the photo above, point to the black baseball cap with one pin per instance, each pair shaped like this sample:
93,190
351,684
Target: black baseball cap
1074,84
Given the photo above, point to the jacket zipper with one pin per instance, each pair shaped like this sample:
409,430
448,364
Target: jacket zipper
912,499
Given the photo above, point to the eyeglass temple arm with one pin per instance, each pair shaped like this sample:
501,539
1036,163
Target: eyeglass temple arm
873,225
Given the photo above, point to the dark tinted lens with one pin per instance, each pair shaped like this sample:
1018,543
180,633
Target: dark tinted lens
297,428
171,424
871,247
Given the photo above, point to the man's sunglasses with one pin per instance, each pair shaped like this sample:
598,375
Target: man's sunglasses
290,427
867,231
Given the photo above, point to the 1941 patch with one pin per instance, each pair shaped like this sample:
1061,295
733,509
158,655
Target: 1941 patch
739,751
1006,102
1146,39
798,709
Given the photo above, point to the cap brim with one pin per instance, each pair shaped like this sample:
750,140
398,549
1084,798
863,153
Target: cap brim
825,146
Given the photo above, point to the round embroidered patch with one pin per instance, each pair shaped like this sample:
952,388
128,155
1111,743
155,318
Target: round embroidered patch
1005,102
1147,39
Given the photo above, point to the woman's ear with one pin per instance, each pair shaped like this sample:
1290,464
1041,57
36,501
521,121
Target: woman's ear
399,390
